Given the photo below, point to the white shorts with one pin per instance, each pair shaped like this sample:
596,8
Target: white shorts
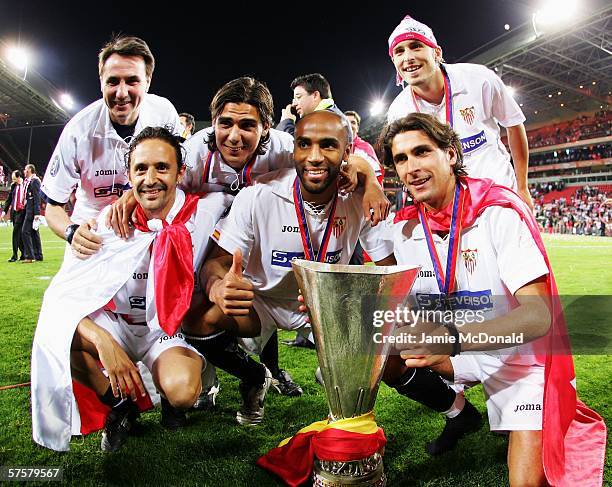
140,342
514,393
271,318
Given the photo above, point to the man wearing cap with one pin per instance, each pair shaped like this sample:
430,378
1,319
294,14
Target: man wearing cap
471,98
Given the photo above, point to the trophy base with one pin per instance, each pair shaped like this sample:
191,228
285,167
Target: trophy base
367,472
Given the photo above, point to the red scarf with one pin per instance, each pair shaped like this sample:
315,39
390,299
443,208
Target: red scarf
573,436
173,265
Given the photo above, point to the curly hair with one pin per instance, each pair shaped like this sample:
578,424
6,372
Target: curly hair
440,133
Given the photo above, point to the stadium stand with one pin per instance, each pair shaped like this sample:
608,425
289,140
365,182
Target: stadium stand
583,211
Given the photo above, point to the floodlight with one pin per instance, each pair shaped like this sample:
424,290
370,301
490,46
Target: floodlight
377,107
553,15
66,101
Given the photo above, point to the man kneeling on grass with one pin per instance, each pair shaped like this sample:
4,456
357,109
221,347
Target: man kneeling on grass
480,250
124,305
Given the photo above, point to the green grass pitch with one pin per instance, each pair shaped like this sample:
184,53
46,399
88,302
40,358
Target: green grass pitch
213,450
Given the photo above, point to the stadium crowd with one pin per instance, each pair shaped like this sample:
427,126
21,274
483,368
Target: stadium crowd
590,153
580,128
587,212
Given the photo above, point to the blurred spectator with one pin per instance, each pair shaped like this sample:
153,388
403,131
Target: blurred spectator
15,204
588,211
32,247
188,124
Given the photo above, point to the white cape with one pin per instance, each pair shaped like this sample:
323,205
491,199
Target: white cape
77,290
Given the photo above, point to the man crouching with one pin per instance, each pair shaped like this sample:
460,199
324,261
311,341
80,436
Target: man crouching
125,305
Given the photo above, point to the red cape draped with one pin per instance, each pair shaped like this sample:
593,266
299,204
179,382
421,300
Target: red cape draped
573,436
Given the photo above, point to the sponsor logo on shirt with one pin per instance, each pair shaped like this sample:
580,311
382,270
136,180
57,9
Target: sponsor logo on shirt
426,274
474,300
467,114
55,166
470,258
138,302
281,258
339,226
290,229
140,275
105,191
473,142
105,172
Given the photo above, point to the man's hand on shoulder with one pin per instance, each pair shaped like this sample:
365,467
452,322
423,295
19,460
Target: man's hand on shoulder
120,213
84,242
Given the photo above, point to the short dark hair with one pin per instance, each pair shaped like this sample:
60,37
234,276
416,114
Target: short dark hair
313,82
164,134
127,46
440,133
244,90
31,167
190,119
353,113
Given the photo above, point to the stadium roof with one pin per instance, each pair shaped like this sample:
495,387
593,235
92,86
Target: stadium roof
27,102
557,74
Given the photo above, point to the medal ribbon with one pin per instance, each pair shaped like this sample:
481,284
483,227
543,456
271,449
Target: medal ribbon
448,97
206,174
245,174
446,280
305,231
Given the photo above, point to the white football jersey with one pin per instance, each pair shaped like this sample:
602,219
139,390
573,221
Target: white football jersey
130,300
263,224
480,101
497,256
206,172
90,156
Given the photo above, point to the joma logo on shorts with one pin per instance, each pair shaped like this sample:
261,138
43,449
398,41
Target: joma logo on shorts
528,407
289,228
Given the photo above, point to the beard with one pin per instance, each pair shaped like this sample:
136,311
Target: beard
322,186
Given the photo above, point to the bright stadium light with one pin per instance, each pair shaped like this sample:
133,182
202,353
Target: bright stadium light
377,108
553,14
19,58
66,101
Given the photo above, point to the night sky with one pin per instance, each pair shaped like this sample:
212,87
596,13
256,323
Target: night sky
199,47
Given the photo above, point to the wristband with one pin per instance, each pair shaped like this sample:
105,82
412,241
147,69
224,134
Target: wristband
452,329
69,232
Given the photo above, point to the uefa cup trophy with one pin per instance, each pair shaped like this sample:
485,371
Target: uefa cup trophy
351,349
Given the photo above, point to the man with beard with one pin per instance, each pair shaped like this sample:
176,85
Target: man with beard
287,216
123,305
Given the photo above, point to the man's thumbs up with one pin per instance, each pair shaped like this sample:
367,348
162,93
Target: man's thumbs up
234,293
236,268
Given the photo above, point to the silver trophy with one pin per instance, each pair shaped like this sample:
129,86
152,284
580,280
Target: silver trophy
351,346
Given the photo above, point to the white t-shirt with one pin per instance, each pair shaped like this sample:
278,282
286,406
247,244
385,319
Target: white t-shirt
497,256
89,156
263,224
481,101
130,300
215,175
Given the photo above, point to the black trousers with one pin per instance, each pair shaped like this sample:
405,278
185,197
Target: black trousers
18,217
32,246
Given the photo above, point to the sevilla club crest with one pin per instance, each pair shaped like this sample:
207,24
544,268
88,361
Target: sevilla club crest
339,225
467,114
470,258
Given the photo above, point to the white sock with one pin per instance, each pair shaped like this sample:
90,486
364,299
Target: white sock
456,408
